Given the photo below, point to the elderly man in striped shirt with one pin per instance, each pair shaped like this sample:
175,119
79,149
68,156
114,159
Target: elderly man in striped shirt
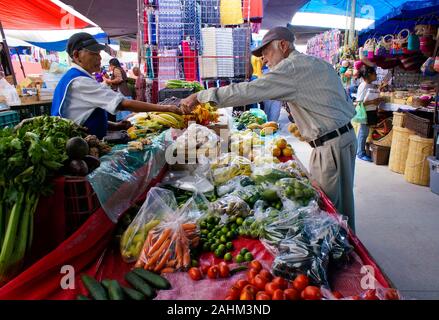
317,101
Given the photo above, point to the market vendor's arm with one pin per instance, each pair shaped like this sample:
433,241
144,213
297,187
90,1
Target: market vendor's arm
139,106
277,84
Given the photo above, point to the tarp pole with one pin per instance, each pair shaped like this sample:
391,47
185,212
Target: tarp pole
6,48
139,31
352,27
21,63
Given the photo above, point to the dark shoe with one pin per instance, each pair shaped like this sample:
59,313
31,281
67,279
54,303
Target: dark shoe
365,158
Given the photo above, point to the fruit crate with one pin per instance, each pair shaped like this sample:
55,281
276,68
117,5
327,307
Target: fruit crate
380,154
30,111
9,119
80,202
422,126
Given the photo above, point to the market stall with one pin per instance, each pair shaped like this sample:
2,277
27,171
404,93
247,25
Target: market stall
258,222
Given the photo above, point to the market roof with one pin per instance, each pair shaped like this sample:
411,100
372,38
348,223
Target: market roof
280,12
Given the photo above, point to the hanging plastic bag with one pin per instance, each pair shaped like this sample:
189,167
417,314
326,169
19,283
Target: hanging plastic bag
9,92
167,247
159,203
361,115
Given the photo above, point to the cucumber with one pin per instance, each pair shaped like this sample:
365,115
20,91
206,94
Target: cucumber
140,285
106,283
82,297
96,290
115,291
133,294
153,279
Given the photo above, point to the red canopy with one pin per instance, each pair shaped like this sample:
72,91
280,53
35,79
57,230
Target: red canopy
37,15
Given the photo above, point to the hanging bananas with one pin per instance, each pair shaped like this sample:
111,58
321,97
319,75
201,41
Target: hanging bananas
168,119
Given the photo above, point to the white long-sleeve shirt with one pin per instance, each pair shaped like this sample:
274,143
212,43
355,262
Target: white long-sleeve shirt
85,95
311,86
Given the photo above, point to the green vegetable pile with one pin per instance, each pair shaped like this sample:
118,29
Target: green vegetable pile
176,84
247,118
30,155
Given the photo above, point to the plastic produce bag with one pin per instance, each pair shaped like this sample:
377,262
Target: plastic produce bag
233,184
254,225
9,93
360,115
231,206
268,174
250,194
167,247
237,167
159,203
299,191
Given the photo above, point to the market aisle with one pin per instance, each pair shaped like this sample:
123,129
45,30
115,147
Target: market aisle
398,222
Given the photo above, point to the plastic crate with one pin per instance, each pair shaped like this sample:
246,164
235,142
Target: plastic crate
421,126
180,93
80,202
9,119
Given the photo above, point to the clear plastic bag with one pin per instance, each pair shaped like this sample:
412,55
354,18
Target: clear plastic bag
231,205
237,166
167,247
254,225
268,174
9,92
299,191
233,184
293,168
250,194
159,203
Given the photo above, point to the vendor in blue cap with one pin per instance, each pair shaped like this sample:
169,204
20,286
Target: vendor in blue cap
79,97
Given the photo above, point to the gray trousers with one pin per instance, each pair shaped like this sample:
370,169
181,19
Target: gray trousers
333,166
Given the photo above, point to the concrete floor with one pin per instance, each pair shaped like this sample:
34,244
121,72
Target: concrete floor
398,222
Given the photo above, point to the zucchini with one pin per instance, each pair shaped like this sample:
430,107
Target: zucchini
115,291
153,279
133,294
106,283
82,297
96,290
140,285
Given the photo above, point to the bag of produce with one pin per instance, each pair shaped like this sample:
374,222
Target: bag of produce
233,184
268,173
232,206
250,194
167,246
238,166
254,225
159,203
295,192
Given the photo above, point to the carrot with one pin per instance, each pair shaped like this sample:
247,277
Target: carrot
165,235
163,261
189,227
171,263
195,241
141,260
179,253
186,258
167,270
157,254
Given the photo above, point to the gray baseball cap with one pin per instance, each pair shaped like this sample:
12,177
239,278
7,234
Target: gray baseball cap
277,33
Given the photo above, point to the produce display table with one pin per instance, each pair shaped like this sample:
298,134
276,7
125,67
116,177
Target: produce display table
32,109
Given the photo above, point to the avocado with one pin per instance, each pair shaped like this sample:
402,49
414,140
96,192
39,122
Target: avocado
77,148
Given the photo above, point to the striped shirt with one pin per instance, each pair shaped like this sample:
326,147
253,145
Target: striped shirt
310,86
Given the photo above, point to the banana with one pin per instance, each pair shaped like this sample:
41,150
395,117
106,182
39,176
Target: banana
173,117
166,120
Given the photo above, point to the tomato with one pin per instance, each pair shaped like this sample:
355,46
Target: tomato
212,273
259,282
292,294
240,284
391,294
370,295
356,298
337,295
311,293
224,271
205,268
251,274
278,294
271,287
266,274
195,274
228,297
248,293
255,264
234,292
281,282
301,282
262,295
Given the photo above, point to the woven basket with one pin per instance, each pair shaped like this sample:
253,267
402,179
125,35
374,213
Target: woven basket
417,170
398,119
399,149
386,141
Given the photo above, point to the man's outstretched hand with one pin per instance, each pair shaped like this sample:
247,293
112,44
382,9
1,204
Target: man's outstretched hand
188,104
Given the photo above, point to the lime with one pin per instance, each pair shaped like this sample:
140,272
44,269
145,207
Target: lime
269,195
222,247
241,232
206,246
243,251
234,226
210,235
254,234
239,258
217,241
239,221
204,231
228,256
229,245
223,239
213,247
248,256
211,220
230,235
224,230
232,219
217,253
194,263
203,224
209,226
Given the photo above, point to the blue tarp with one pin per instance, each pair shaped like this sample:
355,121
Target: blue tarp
368,9
406,16
61,45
